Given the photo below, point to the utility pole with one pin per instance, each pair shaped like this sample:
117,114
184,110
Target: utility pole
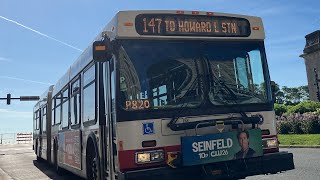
21,98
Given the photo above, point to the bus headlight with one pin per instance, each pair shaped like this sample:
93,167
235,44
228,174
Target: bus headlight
270,143
149,156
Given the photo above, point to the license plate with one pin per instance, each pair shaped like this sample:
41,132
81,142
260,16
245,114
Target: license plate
219,147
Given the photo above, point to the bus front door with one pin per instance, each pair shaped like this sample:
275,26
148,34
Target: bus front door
110,140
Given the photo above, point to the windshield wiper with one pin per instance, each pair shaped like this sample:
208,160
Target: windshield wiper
234,98
172,124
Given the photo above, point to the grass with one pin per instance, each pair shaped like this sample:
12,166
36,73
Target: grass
299,139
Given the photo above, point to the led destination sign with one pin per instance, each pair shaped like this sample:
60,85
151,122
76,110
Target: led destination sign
191,25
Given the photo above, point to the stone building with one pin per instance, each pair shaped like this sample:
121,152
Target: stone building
311,55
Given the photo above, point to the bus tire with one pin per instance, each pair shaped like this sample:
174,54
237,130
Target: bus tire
58,170
37,154
93,172
38,159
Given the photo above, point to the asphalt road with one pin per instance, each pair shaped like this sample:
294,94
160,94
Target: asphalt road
17,162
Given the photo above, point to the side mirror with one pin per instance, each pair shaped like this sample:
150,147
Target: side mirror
101,51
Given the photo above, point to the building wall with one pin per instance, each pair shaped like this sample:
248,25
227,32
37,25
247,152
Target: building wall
312,61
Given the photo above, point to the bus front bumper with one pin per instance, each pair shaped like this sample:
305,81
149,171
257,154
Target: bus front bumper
267,164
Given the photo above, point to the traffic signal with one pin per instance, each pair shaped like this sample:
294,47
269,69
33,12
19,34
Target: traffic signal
8,99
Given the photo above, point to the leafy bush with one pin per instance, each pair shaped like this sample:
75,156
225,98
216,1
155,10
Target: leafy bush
303,107
283,127
294,121
307,123
310,123
280,109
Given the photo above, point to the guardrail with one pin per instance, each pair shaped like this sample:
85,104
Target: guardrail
15,138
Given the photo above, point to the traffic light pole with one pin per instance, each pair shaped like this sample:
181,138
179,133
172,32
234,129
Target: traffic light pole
21,98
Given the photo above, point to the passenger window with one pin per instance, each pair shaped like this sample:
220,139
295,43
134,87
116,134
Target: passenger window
65,108
75,102
44,119
58,109
58,113
53,121
89,94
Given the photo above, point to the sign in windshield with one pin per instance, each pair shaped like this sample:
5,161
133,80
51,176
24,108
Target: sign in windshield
191,25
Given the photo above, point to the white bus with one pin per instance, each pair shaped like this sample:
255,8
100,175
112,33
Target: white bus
168,94
42,126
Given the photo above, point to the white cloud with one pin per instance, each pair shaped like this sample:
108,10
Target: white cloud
15,114
25,80
4,59
40,33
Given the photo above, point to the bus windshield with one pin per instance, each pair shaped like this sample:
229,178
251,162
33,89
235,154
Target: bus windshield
175,74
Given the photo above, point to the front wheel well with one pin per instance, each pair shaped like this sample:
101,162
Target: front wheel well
92,158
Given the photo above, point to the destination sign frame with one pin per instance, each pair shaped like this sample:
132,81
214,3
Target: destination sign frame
191,25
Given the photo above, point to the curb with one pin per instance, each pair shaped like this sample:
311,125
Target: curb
298,146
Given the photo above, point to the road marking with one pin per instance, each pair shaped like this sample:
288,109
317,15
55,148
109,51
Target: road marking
4,175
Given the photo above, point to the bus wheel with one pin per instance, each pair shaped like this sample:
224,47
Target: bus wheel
37,154
92,165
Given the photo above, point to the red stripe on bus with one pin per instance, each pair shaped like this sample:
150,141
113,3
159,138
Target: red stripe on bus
127,158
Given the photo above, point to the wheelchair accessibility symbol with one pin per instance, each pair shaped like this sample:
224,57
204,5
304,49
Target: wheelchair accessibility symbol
148,128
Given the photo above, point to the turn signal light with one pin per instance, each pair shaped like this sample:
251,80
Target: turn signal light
128,24
195,12
100,48
255,28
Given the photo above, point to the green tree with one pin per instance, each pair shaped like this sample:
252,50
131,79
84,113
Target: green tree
295,95
278,94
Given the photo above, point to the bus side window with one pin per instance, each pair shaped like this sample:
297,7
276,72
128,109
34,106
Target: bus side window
75,102
53,120
89,95
37,119
65,108
44,119
58,109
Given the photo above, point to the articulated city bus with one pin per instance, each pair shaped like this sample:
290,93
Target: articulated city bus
42,126
167,94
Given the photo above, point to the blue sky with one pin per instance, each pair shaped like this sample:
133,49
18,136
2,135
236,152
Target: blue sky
40,39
